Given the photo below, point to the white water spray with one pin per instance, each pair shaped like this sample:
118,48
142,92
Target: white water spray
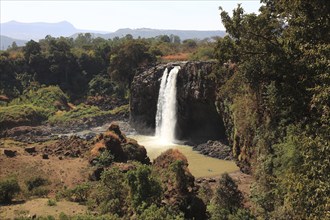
166,106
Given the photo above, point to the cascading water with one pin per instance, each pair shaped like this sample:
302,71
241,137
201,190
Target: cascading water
166,106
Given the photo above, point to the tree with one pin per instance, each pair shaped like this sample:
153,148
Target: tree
112,193
125,61
145,189
31,48
8,189
227,195
283,44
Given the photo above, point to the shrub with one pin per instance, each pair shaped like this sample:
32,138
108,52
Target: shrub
18,115
81,112
227,200
105,159
37,186
155,213
51,98
101,85
8,189
144,188
80,193
35,182
111,193
51,202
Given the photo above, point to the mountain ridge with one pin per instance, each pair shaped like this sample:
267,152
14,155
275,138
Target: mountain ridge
21,31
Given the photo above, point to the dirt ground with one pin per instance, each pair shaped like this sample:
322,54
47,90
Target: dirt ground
39,207
66,172
61,173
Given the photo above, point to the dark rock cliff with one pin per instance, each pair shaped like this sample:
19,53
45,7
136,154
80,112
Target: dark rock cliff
198,118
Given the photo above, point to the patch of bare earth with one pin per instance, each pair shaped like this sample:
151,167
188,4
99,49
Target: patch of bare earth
39,207
60,171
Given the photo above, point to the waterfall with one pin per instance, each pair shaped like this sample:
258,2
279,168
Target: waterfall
166,106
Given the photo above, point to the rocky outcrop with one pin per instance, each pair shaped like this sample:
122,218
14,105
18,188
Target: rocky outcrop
215,149
198,119
119,146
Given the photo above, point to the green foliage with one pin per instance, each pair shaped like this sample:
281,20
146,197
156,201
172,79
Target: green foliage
123,109
303,174
50,98
227,195
144,187
181,180
205,192
37,186
129,57
63,216
8,189
80,193
51,202
105,159
17,115
242,214
35,182
279,59
80,112
101,85
111,193
159,213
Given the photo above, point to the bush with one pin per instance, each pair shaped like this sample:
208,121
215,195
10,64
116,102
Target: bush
155,213
78,194
8,189
227,200
100,85
37,186
144,188
105,159
111,193
51,98
35,182
18,115
81,112
51,202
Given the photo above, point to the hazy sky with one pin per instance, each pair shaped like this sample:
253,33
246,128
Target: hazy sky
111,15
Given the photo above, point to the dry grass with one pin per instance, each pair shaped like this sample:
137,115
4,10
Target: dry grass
39,207
176,57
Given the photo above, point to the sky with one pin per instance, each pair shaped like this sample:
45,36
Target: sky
111,15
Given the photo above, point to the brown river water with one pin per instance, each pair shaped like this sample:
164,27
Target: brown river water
199,165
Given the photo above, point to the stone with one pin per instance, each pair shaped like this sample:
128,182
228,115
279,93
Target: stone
30,150
10,153
45,156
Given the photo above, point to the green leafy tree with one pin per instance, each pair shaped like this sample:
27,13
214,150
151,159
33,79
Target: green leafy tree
227,196
111,194
129,56
284,43
144,187
8,189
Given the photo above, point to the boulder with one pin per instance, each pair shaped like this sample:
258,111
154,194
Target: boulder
30,150
10,153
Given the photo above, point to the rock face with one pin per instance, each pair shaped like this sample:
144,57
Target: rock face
198,118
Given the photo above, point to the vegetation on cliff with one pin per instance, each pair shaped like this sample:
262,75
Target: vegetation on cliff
275,88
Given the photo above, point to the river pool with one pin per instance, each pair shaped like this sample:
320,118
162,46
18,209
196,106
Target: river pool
199,165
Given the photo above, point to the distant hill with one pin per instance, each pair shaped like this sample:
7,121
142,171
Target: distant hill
147,33
39,30
5,42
